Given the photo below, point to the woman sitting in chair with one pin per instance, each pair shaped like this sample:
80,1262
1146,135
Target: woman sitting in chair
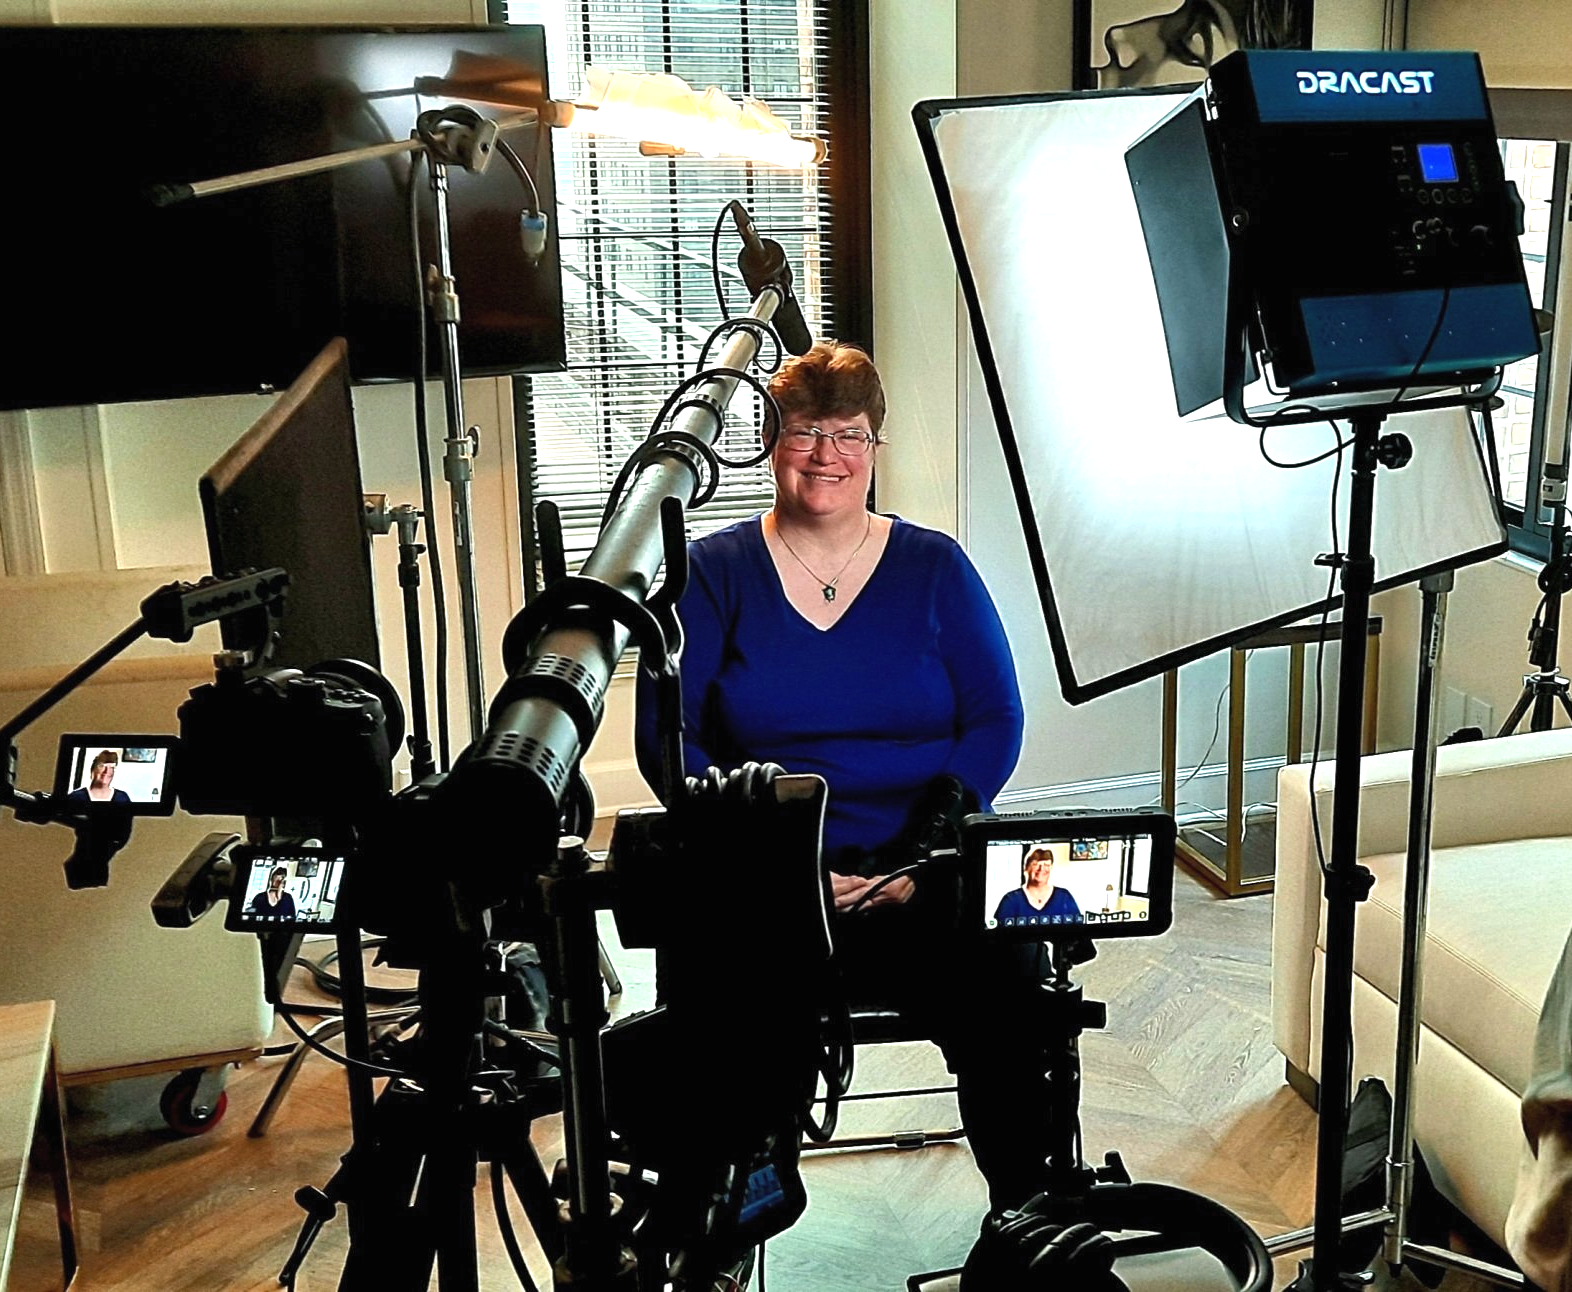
863,648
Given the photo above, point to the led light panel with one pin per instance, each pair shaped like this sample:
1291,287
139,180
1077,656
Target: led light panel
1153,540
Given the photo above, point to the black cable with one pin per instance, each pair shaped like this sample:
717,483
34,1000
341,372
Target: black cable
663,441
439,596
1435,332
288,1011
771,418
1335,451
528,1043
331,984
745,322
1320,650
522,171
720,290
837,1062
499,1203
884,882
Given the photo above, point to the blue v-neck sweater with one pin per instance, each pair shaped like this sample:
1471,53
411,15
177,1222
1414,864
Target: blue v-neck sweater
914,680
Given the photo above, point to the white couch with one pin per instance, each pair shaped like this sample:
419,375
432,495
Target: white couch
1500,910
131,996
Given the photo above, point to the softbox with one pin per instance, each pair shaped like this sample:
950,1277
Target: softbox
1153,540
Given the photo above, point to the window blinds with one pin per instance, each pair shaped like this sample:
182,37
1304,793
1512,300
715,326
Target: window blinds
635,237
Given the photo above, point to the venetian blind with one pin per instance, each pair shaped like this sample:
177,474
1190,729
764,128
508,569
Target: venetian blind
635,236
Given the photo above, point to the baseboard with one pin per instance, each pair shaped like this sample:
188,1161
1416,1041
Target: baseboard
1303,1085
1124,791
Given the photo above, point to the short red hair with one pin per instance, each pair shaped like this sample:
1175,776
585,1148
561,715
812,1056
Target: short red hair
834,379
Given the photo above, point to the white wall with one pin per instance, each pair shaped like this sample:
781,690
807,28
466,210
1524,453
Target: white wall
1522,42
912,51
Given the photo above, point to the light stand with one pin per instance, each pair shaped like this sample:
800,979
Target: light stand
462,441
1347,882
1545,687
382,519
1397,1246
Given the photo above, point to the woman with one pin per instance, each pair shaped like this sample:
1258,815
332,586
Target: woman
1037,900
830,639
100,787
273,900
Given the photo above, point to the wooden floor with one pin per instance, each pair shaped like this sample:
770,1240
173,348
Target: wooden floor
1185,1083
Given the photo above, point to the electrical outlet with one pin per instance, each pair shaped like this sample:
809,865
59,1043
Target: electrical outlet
1454,711
1476,713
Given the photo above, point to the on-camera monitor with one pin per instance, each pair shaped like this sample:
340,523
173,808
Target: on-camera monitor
281,888
225,294
288,493
1050,876
133,772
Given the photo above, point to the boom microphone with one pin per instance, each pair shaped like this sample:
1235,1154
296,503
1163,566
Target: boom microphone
763,263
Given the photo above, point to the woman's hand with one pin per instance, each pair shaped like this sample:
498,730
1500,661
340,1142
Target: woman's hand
848,890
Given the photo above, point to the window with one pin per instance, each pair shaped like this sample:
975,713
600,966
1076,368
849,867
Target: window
1539,168
635,231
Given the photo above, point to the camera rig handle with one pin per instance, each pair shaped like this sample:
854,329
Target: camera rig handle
172,613
201,879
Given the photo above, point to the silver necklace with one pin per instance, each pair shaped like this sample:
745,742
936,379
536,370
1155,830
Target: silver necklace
826,587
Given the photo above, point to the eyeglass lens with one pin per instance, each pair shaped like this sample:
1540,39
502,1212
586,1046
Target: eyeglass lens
848,443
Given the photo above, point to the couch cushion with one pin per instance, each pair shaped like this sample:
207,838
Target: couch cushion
1499,917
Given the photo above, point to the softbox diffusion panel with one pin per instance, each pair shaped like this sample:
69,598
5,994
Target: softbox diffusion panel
1153,540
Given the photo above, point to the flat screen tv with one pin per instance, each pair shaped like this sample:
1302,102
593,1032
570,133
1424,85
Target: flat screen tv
236,292
288,493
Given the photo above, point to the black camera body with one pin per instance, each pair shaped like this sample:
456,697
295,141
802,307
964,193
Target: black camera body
287,743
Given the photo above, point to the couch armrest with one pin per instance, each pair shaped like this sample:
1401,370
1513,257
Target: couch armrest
1514,787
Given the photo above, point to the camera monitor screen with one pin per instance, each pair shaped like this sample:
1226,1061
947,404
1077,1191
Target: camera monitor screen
129,771
279,888
1047,876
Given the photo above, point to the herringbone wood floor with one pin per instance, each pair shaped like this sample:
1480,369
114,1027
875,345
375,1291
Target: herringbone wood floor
1184,1083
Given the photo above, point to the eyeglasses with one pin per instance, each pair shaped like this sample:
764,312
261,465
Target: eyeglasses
849,444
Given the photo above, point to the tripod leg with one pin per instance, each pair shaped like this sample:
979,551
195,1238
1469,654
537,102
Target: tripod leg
528,1176
390,1243
1524,699
1544,710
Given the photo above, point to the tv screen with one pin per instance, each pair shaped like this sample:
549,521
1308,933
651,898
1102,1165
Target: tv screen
288,493
236,292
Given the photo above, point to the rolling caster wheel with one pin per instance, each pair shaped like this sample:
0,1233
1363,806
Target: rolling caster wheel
178,1105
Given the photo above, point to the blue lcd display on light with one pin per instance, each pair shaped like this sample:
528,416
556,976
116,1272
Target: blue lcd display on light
1437,164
